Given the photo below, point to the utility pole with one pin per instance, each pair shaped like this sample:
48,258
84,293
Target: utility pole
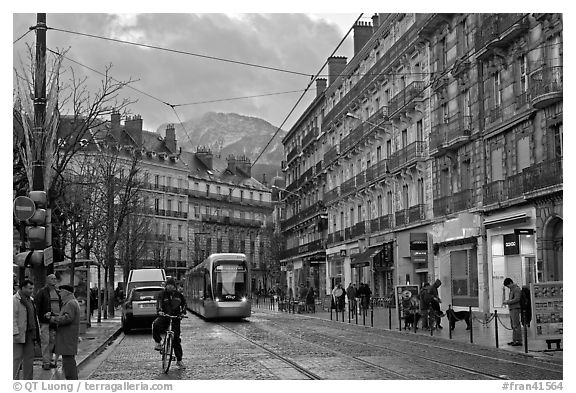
39,133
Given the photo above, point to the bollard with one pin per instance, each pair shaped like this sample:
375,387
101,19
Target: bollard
371,314
496,326
449,322
356,312
525,331
399,319
330,312
348,312
389,316
471,325
363,316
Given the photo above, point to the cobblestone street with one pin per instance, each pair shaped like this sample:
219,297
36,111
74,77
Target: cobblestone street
272,345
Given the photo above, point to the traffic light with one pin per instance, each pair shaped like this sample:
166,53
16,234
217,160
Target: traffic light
29,258
36,232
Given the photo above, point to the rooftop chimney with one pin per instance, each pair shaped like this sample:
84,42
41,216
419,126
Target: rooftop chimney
375,22
243,166
336,65
204,154
170,138
115,125
264,182
231,164
133,127
320,86
362,33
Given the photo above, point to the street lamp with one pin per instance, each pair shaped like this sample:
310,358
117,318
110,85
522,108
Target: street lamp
379,125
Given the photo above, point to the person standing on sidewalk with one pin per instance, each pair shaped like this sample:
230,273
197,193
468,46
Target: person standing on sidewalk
48,303
68,330
435,301
514,307
25,330
351,294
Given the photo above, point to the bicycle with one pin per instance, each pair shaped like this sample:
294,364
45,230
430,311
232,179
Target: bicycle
168,344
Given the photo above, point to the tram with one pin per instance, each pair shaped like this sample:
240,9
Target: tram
219,287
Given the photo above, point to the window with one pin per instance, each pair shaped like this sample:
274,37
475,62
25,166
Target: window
404,138
207,189
156,205
369,210
445,113
389,202
261,197
179,254
169,205
380,205
251,195
523,64
464,277
419,131
334,223
497,90
342,223
420,191
444,182
156,181
168,181
179,206
496,164
523,153
359,213
351,216
388,148
465,175
557,133
218,190
378,153
179,232
169,231
241,195
405,200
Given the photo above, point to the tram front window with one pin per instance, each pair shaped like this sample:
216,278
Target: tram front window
230,281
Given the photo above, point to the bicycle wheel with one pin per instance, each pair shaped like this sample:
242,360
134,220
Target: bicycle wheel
167,353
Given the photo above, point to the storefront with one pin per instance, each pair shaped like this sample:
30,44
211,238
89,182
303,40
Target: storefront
335,269
362,266
414,262
511,248
384,271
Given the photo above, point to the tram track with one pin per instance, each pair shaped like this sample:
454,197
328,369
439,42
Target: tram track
309,374
488,360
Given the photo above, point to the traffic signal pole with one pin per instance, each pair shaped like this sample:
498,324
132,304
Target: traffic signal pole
39,271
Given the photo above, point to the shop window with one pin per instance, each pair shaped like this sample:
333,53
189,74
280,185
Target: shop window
464,275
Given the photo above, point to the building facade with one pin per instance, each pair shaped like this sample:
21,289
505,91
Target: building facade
442,141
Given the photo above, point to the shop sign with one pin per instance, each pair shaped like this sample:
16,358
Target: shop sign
511,244
419,247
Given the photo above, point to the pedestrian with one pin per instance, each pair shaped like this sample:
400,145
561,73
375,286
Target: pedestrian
424,300
25,330
434,301
310,300
339,294
48,303
367,295
513,304
351,294
67,331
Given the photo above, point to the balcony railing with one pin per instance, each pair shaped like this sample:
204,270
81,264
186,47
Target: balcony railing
305,214
442,206
403,98
438,137
332,195
386,222
494,192
364,129
417,213
331,155
307,175
514,186
309,137
359,229
348,186
336,237
408,155
375,224
462,200
401,217
495,26
348,233
546,86
360,179
542,175
319,167
293,153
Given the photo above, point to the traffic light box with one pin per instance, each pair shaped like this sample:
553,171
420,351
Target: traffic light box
36,232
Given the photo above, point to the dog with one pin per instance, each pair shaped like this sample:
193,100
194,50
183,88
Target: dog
455,316
411,320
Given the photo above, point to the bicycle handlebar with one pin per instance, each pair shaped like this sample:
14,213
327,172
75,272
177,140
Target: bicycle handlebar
172,316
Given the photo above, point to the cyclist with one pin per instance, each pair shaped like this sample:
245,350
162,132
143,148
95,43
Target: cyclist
170,302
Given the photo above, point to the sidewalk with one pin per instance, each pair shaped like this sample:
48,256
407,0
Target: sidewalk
483,334
90,343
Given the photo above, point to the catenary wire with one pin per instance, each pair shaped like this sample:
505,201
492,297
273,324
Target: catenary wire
307,87
240,98
181,52
23,35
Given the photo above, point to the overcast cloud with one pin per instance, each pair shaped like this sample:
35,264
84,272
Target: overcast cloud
296,42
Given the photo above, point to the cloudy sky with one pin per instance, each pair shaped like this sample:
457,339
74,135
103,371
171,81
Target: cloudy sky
295,42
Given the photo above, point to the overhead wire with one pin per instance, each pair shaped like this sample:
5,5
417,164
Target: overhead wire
181,52
307,87
240,98
23,35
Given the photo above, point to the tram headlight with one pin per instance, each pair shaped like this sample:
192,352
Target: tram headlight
244,299
217,299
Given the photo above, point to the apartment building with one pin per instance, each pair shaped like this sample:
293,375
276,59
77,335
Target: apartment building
442,142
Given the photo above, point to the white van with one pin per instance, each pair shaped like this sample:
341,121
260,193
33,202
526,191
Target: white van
145,277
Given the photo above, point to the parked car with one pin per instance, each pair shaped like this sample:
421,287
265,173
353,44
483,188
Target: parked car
139,309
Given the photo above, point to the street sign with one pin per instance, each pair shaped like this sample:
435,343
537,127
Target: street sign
48,256
24,208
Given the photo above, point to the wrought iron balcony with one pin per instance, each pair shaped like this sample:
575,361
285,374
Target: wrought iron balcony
309,137
319,167
462,200
335,237
375,225
305,214
332,195
546,86
385,222
494,192
348,186
500,29
348,233
417,213
401,217
360,179
442,206
331,155
407,156
514,186
359,229
308,175
543,175
293,153
495,114
377,170
406,96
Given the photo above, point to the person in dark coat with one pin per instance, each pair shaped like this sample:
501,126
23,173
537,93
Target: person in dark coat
435,301
25,330
48,301
68,330
310,300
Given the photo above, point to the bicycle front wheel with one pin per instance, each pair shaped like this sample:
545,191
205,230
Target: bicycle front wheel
167,353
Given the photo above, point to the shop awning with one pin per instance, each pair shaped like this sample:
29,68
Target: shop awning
505,220
364,258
